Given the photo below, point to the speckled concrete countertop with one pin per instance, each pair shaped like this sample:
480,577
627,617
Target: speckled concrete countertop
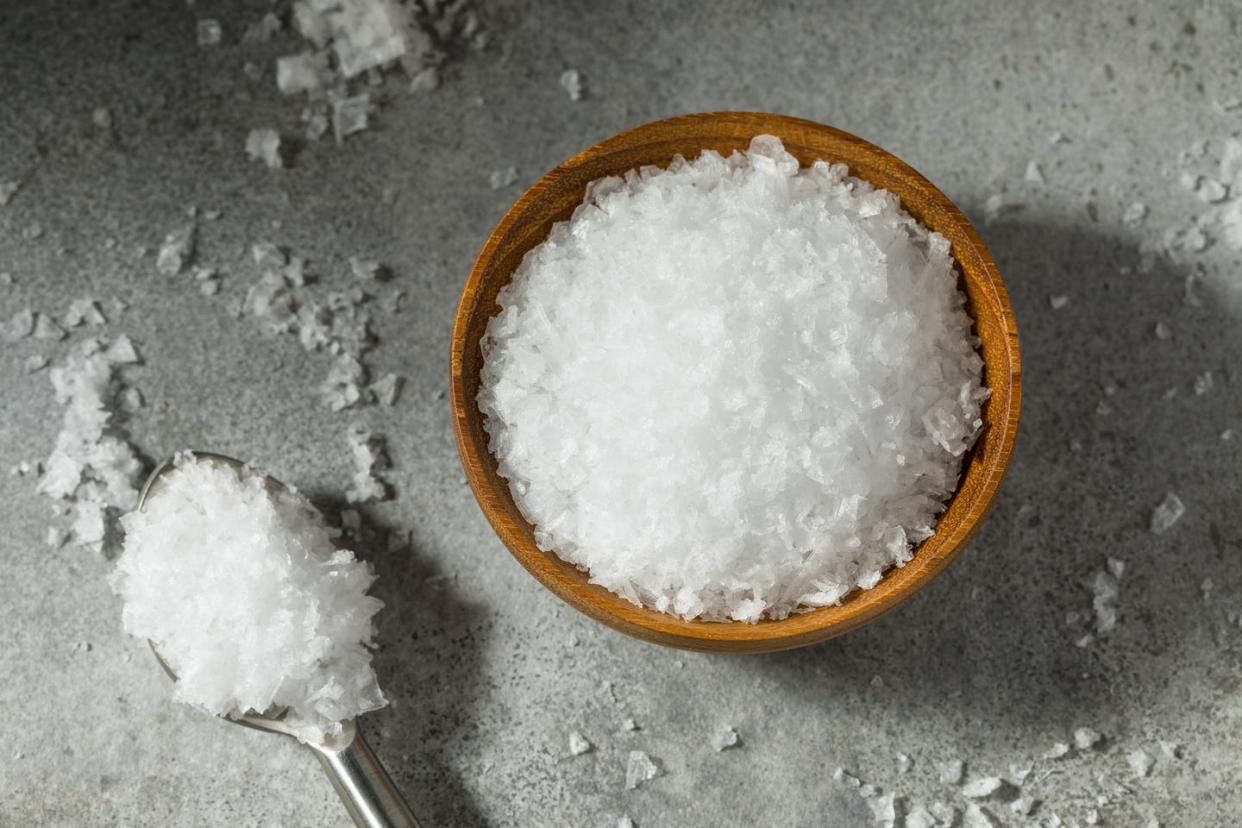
487,671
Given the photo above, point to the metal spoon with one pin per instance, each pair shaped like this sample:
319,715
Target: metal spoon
365,788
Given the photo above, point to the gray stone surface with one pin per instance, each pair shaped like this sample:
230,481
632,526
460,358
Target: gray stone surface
488,673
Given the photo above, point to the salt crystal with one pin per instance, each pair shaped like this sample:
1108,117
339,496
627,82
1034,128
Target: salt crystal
724,738
1034,175
387,388
1168,512
1086,738
101,117
1057,751
1163,331
209,32
349,115
1019,771
20,325
176,251
1230,160
1105,589
1058,138
977,817
846,778
578,744
1135,213
883,808
1211,191
8,189
625,822
1171,749
994,206
260,610
920,817
367,269
121,352
303,72
867,791
56,537
369,456
657,367
500,179
425,80
571,81
1023,805
1203,383
33,231
365,34
129,400
265,145
1140,762
343,387
46,327
951,771
639,768
35,362
1116,567
83,310
904,763
629,725
1227,434
1188,180
262,30
1058,302
1206,587
982,787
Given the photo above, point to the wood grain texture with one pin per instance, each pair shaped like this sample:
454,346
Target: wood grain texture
554,197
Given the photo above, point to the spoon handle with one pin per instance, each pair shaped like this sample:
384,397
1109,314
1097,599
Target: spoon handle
367,790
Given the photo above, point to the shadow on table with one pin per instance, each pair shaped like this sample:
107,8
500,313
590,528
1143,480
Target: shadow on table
427,660
1098,447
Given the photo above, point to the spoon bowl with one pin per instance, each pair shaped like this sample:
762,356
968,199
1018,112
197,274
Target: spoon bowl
553,199
364,786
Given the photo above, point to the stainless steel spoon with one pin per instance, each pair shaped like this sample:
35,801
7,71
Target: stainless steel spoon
365,788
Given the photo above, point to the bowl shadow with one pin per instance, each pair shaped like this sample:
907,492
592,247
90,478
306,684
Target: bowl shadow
1100,446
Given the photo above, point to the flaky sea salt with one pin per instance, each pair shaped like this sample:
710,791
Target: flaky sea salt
264,145
1140,762
982,787
370,456
950,771
1168,512
571,82
1086,738
176,250
710,387
499,179
639,768
724,738
578,744
246,597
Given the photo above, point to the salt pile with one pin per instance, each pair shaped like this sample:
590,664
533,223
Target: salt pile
248,600
733,388
92,467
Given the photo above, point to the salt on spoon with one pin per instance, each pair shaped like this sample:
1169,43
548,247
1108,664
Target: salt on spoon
363,784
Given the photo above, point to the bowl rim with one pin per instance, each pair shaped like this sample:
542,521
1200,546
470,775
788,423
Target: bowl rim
919,197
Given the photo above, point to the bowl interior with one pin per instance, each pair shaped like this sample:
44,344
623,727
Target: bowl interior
554,197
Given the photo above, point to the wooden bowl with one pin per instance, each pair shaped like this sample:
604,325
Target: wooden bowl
554,197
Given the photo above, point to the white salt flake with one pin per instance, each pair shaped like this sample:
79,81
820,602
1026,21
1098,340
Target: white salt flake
1140,762
1086,738
883,808
1134,214
176,251
920,817
1019,771
56,537
499,179
1034,175
350,115
660,358
578,743
1163,331
639,768
1023,805
35,362
20,325
1171,749
629,725
951,771
977,817
425,80
846,778
1057,751
904,763
369,456
265,145
982,787
8,189
1203,383
724,738
46,328
387,389
209,32
261,609
625,822
1211,191
83,310
1058,302
129,400
1168,512
571,81
303,72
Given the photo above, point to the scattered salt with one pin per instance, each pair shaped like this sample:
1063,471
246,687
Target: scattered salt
904,763
35,362
1168,512
629,725
625,822
257,609
129,400
1203,383
1019,771
56,537
1140,762
1211,191
640,338
982,787
1105,588
578,744
724,738
303,72
1057,751
951,771
369,456
1058,302
209,32
1034,175
264,145
883,808
8,189
83,310
1135,213
20,325
46,327
350,115
1086,738
1163,331
920,817
425,80
500,179
977,817
639,768
571,81
101,117
1023,805
176,251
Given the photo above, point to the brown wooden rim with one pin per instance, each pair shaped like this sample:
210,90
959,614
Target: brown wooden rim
985,467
